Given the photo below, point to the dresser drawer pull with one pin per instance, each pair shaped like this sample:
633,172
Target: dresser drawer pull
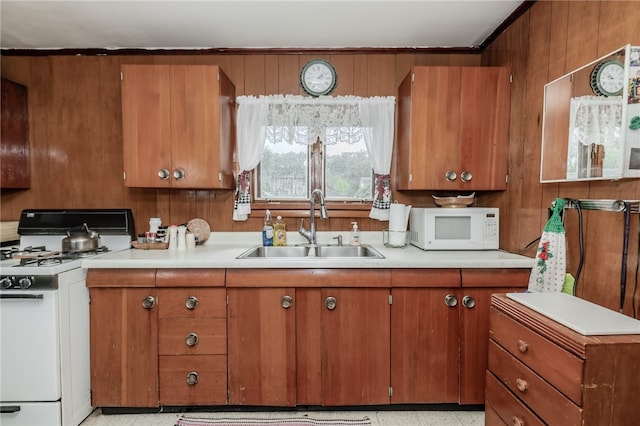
191,303
522,385
517,421
192,378
192,339
523,346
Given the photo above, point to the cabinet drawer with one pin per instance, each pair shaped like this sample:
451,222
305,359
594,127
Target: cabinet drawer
210,372
192,336
540,396
561,368
491,418
192,303
509,408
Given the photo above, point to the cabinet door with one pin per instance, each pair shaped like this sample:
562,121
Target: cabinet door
355,346
195,127
14,136
484,128
424,345
261,346
124,347
146,126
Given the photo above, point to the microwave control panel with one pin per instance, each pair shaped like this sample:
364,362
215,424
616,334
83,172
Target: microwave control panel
490,227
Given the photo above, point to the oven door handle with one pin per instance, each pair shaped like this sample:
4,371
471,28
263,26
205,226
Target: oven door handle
22,296
9,409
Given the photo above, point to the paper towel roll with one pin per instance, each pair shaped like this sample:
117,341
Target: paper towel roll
398,217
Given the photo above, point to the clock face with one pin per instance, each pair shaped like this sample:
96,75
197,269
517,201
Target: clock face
318,77
607,78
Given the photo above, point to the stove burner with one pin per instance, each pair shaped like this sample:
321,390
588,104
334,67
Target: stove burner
7,253
53,257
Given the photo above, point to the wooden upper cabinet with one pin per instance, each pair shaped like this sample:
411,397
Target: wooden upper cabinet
14,136
453,125
178,126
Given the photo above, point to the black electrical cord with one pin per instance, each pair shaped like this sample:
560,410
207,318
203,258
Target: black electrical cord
580,243
635,289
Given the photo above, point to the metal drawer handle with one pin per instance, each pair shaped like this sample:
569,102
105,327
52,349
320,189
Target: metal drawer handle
191,303
192,339
330,302
523,346
466,176
286,302
522,385
450,300
148,302
9,409
517,421
178,174
192,377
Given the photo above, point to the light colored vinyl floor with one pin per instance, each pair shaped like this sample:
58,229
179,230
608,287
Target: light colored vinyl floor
378,418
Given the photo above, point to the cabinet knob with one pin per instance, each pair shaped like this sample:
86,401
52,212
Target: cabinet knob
522,385
517,421
148,302
330,302
192,377
191,303
450,300
178,174
523,346
450,175
192,339
286,302
468,302
163,174
466,176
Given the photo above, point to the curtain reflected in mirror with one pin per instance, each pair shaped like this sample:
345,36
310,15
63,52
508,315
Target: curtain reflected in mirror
595,137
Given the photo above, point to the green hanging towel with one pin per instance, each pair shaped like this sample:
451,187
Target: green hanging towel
548,273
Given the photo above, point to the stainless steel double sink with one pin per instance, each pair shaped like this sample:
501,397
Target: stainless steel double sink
307,251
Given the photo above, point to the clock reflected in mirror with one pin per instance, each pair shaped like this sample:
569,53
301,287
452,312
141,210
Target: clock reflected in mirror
607,78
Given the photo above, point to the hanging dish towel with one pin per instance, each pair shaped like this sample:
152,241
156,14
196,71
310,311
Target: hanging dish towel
548,273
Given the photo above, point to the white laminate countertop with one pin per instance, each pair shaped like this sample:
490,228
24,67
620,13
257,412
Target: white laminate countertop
578,314
222,248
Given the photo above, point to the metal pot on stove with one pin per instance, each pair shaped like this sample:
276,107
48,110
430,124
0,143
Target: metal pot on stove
80,239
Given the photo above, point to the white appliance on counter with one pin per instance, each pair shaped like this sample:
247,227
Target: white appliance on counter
466,228
44,317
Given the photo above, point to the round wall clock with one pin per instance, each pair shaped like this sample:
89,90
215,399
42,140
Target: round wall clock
318,77
607,78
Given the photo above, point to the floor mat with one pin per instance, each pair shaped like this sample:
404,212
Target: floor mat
289,421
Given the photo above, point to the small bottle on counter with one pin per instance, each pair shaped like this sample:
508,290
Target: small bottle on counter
191,241
173,237
154,224
355,234
267,230
279,232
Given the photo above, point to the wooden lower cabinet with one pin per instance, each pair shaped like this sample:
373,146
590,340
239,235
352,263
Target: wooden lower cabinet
541,372
309,345
124,338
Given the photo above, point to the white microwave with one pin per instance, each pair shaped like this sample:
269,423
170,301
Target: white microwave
470,228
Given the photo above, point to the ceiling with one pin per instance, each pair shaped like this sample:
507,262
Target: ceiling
243,24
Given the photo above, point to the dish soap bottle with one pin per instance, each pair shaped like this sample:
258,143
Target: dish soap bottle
355,234
279,232
267,230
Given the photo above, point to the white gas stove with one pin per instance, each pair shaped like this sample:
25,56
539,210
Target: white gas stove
44,317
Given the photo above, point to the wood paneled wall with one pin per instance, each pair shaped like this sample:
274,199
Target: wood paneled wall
76,136
548,41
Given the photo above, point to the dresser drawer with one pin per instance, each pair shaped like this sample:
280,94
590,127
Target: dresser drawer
547,402
509,408
561,368
193,380
185,336
192,303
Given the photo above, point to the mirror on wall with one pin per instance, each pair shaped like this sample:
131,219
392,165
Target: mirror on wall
591,121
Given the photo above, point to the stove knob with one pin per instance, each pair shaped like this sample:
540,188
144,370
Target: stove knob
6,282
24,282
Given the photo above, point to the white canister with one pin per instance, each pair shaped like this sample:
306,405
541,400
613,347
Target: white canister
173,237
154,224
191,241
182,237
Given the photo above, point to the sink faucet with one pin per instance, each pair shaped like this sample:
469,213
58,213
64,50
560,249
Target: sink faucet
311,233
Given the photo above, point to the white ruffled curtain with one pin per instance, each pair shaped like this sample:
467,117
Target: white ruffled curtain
596,120
301,119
